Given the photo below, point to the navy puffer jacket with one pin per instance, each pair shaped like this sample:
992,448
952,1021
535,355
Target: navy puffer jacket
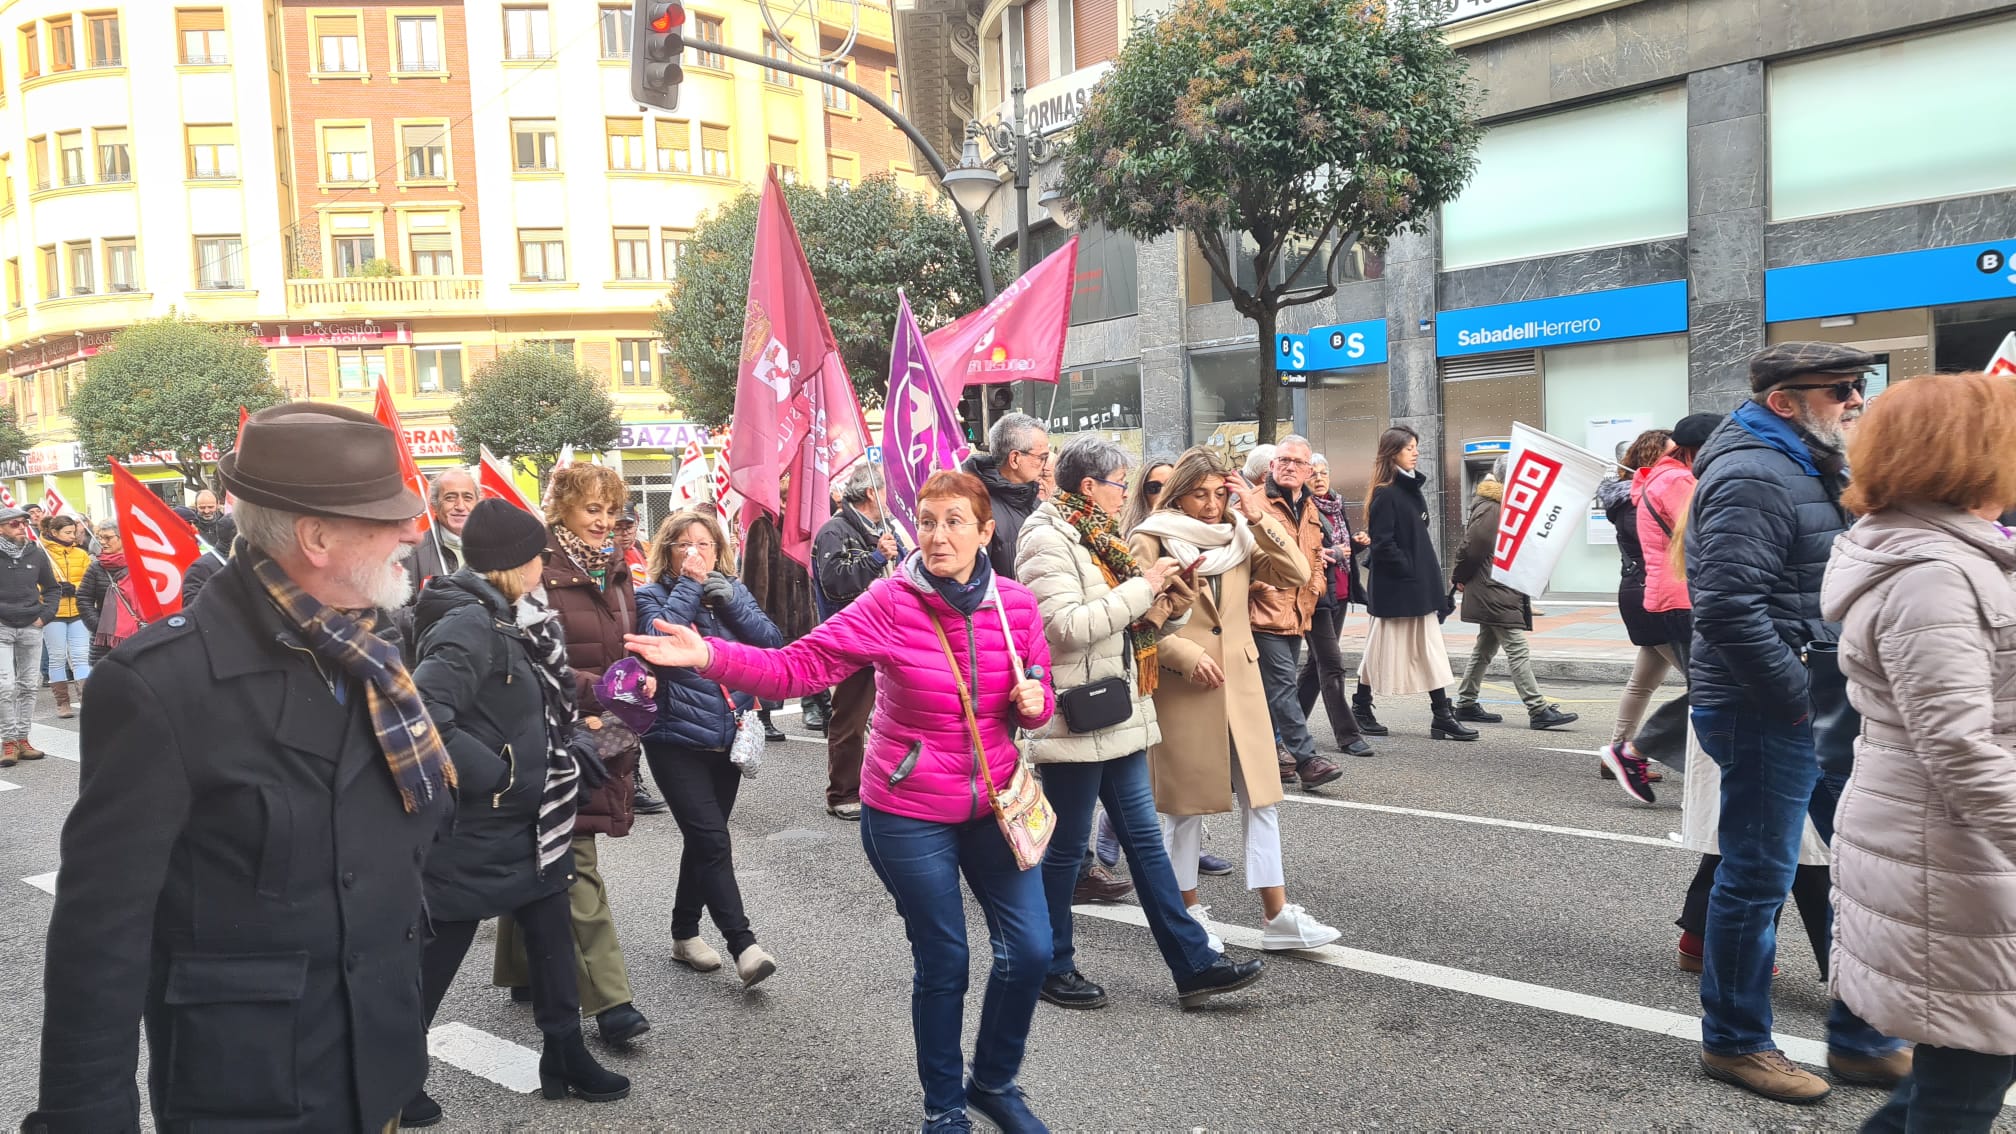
1759,534
693,711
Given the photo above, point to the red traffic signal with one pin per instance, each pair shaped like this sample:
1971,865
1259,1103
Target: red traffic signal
658,38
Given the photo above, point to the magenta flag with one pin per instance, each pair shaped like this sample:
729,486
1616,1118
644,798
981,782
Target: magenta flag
1019,336
920,424
829,434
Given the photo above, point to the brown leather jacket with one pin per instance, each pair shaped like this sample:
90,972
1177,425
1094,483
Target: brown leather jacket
1271,609
593,621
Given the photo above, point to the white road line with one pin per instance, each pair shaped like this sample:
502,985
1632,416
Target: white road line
1486,821
43,882
1576,751
5,786
58,742
512,1066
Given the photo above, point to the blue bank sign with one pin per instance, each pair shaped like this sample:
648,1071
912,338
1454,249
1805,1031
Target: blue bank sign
1965,273
1332,348
1591,317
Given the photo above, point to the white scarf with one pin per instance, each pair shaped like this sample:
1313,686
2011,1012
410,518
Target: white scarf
1223,546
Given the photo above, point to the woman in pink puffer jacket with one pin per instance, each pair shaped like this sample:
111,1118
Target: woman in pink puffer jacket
925,814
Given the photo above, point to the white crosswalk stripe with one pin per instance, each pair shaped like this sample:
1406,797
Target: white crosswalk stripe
43,882
510,1065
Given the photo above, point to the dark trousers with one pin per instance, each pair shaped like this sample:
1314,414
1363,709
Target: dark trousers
1949,1091
548,929
1663,736
1278,655
1325,673
1812,888
847,737
701,787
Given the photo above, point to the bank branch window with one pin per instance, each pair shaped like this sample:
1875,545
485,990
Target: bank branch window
1612,173
1840,142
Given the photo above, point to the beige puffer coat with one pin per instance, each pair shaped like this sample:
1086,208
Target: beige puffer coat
1086,621
1925,835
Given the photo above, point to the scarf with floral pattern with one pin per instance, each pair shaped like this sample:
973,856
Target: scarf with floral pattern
1100,535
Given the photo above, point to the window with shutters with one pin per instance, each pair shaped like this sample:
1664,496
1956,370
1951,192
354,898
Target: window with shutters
433,252
213,152
122,264
52,284
784,160
346,153
895,94
83,268
535,144
15,300
104,30
70,152
633,253
706,29
674,244
843,170
220,263
38,163
634,358
1036,40
359,369
615,28
62,45
338,48
31,51
528,33
675,145
1095,33
837,99
542,255
115,155
714,151
626,144
201,32
424,148
775,50
419,39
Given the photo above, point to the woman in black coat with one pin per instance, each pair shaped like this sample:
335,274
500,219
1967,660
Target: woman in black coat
692,584
1407,592
494,677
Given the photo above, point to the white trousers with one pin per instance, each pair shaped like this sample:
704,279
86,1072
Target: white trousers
1184,836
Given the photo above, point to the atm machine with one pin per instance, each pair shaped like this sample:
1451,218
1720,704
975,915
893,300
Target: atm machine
1479,454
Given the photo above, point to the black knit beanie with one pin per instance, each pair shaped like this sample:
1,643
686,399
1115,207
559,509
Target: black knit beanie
500,536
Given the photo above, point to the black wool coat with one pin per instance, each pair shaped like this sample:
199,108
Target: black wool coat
240,874
476,676
1404,577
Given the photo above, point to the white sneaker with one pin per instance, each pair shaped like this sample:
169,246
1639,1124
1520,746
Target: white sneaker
1198,914
1293,928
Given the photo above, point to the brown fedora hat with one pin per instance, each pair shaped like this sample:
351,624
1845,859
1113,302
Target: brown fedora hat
321,460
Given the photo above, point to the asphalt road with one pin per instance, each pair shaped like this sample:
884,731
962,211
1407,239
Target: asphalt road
1507,961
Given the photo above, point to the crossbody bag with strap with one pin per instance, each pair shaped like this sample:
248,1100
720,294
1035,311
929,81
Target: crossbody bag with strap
1025,817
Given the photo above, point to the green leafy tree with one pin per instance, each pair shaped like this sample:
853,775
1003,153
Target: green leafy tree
528,404
13,439
1285,132
861,243
171,388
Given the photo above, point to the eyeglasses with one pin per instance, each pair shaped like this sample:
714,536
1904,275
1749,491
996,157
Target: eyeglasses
954,528
1042,456
1291,462
1153,487
1121,485
685,547
1840,391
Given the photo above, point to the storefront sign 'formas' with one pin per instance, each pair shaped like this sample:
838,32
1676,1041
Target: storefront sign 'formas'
1591,317
1055,105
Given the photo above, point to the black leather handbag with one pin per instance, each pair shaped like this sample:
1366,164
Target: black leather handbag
1836,724
1096,705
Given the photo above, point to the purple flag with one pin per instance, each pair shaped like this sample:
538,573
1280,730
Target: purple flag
920,425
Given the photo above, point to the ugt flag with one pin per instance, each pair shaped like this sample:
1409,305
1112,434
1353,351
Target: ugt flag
1548,486
1019,335
159,546
920,425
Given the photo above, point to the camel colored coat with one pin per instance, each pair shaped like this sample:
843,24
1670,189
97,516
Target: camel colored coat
1207,734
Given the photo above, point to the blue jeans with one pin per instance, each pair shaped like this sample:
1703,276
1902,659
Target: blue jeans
1949,1091
67,650
1123,785
920,862
1770,784
1279,654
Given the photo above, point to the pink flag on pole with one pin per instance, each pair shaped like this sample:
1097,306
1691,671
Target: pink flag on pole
495,482
826,419
920,425
1019,337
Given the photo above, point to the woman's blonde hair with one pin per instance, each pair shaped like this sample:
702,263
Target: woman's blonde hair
1676,548
577,485
508,582
674,526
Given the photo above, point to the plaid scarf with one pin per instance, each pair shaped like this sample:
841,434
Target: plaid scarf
593,561
1099,534
544,642
420,765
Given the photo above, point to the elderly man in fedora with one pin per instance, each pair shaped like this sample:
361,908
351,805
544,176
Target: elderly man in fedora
242,869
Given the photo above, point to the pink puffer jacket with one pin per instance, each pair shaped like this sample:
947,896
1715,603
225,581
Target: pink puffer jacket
916,704
1666,485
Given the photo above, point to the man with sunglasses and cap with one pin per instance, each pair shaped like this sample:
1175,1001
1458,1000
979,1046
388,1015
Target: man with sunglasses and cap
242,868
1765,513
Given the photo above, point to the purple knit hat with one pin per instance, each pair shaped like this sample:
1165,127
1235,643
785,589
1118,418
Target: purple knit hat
622,691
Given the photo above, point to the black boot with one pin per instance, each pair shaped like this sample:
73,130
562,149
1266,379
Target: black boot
566,1067
1445,726
771,733
1361,709
418,1112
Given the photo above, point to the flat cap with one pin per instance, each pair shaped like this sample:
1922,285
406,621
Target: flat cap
1778,364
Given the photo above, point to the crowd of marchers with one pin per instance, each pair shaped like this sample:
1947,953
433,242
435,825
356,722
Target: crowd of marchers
357,742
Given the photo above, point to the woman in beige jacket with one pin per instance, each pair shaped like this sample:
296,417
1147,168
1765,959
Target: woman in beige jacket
1925,834
1216,737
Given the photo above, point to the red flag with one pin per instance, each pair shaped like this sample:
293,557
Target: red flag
826,419
495,482
786,343
159,546
242,415
388,415
1019,337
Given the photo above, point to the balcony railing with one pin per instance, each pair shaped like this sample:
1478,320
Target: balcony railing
407,290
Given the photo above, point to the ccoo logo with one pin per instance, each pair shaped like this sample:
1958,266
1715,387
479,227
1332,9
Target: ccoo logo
1527,488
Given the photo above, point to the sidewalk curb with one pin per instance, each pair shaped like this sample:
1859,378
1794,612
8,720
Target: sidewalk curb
1597,671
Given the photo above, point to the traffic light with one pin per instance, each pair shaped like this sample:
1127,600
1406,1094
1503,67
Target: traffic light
657,37
969,413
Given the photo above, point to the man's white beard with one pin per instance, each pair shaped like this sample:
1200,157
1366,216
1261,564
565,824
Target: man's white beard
1834,433
384,585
